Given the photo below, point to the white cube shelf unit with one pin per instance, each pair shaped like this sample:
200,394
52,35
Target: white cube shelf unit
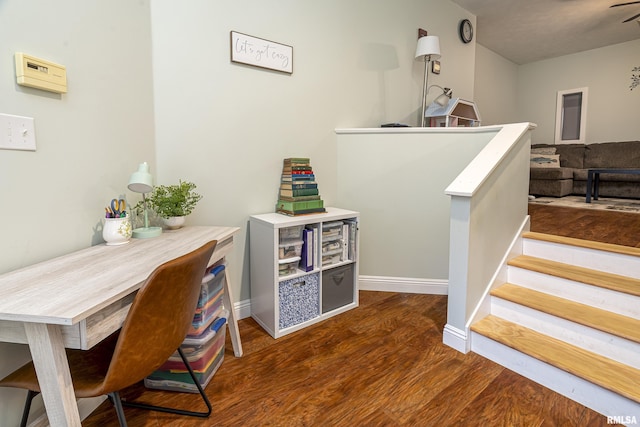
304,268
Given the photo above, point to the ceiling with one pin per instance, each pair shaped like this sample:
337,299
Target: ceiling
525,31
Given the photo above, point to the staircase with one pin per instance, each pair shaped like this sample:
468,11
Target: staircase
569,319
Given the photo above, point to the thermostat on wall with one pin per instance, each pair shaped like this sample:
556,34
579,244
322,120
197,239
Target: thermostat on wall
40,74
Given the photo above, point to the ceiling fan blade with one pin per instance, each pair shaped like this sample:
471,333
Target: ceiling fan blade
624,4
632,18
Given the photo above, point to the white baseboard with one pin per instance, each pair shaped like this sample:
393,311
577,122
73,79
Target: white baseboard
403,284
242,309
456,339
375,283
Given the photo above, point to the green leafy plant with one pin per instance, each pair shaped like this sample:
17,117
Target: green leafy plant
173,200
635,79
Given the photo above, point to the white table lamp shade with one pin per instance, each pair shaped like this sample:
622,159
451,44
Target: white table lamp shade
428,46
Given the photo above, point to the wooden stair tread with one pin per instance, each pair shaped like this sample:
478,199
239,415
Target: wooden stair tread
584,275
596,318
607,373
590,244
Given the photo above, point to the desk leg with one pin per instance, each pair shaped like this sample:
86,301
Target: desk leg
589,186
232,321
52,367
596,185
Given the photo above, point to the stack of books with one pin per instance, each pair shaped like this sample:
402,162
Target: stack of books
298,189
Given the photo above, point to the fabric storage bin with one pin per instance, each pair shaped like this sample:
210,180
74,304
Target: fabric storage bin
299,300
210,301
205,354
337,287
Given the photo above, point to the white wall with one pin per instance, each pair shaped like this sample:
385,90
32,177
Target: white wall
227,127
89,140
496,87
612,108
397,180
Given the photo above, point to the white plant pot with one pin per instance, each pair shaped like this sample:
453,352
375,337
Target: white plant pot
174,222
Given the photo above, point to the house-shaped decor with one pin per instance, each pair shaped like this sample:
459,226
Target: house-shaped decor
457,112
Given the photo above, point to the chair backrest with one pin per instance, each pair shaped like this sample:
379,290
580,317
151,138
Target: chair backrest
159,318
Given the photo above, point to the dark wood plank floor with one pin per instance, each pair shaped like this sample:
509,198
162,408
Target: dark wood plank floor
382,364
622,228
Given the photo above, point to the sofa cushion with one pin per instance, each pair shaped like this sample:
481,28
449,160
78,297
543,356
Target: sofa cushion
612,155
551,173
571,155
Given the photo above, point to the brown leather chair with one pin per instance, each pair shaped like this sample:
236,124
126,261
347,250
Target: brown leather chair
154,328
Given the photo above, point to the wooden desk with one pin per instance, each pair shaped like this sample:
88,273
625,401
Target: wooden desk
78,299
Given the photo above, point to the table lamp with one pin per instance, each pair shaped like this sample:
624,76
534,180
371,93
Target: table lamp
444,98
428,49
142,182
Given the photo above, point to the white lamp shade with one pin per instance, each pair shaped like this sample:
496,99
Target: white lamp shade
141,181
428,46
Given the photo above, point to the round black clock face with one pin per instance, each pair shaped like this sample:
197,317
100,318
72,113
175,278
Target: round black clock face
466,31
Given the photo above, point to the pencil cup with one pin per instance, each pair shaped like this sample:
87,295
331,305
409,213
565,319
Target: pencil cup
116,231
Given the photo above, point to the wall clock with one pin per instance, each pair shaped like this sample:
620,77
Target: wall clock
465,29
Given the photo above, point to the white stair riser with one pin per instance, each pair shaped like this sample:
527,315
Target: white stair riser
593,340
616,302
610,262
588,394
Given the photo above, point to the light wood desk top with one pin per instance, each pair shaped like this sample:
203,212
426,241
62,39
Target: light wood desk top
78,299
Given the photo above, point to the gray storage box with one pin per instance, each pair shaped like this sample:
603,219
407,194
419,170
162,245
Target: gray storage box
337,287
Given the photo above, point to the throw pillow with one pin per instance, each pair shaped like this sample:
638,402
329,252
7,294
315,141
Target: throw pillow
545,161
543,150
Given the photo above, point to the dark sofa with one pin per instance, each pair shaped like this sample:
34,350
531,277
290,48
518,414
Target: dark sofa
569,174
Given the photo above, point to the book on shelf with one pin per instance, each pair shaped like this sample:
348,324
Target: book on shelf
345,241
306,257
296,178
301,212
299,198
297,170
297,206
296,161
298,185
286,192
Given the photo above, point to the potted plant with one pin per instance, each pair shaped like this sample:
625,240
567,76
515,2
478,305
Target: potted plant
174,202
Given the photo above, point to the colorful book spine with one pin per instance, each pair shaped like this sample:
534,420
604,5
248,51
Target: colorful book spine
298,185
299,198
298,192
306,258
296,206
298,177
301,211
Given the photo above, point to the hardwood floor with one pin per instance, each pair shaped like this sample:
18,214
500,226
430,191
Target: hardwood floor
621,228
382,364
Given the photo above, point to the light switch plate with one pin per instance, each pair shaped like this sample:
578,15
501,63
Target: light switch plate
17,133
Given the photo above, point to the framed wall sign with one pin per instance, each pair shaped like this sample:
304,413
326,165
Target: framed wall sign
261,53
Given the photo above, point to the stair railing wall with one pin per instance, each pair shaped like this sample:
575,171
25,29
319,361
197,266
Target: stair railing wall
488,214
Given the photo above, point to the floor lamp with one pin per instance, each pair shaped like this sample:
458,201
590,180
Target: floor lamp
428,49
